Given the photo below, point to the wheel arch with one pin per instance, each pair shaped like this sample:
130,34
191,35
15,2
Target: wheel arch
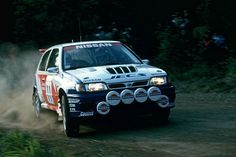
34,89
61,93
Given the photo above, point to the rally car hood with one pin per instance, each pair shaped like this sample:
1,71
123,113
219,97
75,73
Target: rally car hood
103,74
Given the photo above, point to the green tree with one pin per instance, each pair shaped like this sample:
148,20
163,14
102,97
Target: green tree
51,21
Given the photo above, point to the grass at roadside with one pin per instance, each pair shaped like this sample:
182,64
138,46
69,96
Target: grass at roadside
206,85
20,144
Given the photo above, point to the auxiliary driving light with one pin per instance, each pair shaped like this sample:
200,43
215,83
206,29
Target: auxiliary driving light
103,108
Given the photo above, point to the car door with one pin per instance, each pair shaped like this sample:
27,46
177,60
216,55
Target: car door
41,77
51,84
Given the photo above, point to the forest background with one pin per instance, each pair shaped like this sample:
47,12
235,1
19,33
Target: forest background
193,40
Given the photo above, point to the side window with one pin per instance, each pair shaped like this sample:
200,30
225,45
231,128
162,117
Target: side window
53,60
43,62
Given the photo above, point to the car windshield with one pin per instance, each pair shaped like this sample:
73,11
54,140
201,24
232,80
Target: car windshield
97,54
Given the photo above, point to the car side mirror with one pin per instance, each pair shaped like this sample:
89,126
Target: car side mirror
53,70
145,61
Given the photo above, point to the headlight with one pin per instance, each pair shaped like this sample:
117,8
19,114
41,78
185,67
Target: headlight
92,87
158,80
79,88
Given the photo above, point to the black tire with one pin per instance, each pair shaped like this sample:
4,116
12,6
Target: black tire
161,116
36,104
71,126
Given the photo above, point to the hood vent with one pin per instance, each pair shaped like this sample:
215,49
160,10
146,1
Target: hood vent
121,70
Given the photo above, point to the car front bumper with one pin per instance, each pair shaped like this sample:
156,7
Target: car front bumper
86,104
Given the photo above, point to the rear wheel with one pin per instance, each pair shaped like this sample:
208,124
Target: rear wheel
71,126
161,116
36,104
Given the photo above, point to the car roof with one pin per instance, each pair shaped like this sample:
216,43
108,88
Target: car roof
84,42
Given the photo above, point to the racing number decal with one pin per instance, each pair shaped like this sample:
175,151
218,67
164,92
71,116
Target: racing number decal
42,80
55,93
49,93
48,90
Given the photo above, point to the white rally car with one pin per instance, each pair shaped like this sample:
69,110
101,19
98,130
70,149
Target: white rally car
99,79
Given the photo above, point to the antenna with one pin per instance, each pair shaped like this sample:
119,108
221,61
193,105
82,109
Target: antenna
80,36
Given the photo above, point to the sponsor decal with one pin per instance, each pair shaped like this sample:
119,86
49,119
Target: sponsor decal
154,93
54,91
113,98
127,96
163,101
68,48
140,95
42,85
73,100
120,76
72,105
51,91
86,114
94,45
103,108
72,110
91,80
123,76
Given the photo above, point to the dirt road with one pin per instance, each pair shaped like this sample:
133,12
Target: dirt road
201,125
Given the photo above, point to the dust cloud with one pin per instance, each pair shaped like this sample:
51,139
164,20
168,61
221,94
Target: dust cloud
17,69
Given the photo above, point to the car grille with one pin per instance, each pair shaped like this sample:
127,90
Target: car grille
121,69
128,84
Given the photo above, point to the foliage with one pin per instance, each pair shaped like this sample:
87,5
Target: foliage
231,68
175,53
200,31
18,144
51,21
181,51
192,53
204,12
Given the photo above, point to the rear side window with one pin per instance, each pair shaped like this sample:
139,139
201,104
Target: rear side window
43,62
53,60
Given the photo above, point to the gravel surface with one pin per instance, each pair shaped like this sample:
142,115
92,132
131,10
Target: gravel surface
201,125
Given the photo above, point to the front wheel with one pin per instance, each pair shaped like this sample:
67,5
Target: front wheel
70,125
